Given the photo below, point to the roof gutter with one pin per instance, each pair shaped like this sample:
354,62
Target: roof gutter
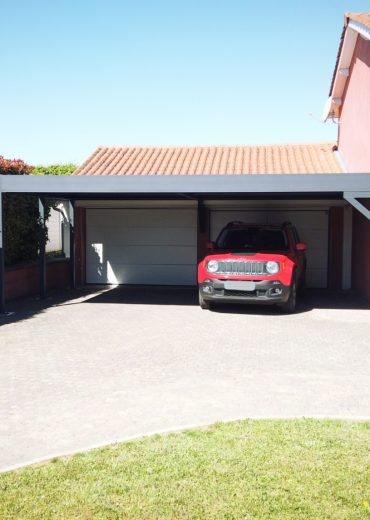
360,28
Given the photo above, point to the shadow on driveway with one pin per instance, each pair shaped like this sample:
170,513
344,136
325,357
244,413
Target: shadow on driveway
148,295
171,295
177,295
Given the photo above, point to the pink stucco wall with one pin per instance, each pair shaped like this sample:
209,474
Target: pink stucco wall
354,129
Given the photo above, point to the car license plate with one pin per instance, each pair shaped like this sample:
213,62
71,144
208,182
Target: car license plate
240,286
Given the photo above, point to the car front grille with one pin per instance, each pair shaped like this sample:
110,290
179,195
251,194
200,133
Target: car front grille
241,267
240,294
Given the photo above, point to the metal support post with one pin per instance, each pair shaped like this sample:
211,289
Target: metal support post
72,245
2,260
42,246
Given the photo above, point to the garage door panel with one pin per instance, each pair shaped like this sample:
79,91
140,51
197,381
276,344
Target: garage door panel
221,218
314,278
136,218
143,236
142,254
141,274
129,246
301,219
317,258
312,228
316,238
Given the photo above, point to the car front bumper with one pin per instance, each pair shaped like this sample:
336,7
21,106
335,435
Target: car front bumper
261,291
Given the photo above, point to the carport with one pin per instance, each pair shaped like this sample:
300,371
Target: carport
161,223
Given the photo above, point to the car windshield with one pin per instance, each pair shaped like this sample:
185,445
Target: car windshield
252,239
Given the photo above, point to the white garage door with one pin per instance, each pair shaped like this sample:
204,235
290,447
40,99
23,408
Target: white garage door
312,227
141,246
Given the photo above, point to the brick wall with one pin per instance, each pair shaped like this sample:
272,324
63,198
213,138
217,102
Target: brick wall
24,280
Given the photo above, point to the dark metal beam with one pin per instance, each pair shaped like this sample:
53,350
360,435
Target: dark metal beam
186,184
72,245
352,197
2,260
194,196
42,247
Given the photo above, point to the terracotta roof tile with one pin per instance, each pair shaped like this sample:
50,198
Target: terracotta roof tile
212,160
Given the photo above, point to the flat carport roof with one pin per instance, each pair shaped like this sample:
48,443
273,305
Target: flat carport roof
350,187
73,186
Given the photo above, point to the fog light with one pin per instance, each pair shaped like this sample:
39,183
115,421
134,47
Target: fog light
207,289
276,291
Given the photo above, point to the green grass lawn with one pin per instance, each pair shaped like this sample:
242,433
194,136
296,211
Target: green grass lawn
243,470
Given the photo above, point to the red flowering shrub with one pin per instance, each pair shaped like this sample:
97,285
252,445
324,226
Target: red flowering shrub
14,167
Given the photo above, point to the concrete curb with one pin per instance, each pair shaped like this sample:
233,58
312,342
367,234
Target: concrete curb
178,429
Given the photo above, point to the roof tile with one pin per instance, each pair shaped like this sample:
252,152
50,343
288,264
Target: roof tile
362,18
212,160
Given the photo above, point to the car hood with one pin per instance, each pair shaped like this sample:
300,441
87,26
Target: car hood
277,256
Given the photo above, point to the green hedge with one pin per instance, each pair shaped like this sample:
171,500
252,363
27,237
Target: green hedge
54,169
21,228
21,212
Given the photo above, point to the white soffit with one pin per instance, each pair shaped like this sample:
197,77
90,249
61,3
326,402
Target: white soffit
136,204
274,204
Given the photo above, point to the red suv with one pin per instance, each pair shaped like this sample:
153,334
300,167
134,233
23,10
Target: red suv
252,263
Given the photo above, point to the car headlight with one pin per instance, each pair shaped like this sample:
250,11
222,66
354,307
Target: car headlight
272,267
212,266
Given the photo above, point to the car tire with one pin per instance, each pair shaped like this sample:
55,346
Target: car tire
301,289
289,306
204,304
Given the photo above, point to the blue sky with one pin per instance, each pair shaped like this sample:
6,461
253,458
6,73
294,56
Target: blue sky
78,74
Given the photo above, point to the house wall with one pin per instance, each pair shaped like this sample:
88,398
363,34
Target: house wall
361,253
354,128
54,225
24,280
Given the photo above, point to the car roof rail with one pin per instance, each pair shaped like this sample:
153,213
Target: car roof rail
236,223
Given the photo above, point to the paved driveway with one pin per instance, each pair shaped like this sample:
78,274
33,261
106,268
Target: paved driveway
85,369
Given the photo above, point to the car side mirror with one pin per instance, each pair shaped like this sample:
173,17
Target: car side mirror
210,245
301,246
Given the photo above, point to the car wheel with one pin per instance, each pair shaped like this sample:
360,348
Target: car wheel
290,305
301,289
204,304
